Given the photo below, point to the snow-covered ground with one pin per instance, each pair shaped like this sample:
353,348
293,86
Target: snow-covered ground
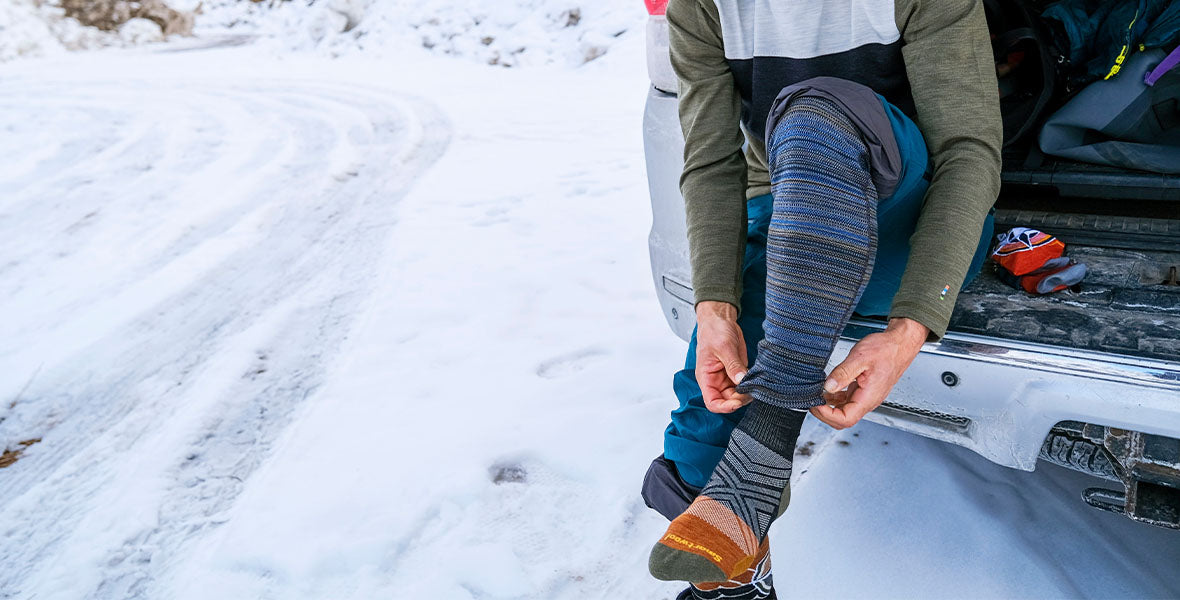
293,327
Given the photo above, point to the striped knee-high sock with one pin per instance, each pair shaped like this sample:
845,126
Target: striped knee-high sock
819,253
820,250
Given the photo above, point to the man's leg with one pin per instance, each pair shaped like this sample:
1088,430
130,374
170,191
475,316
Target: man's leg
696,438
820,249
697,444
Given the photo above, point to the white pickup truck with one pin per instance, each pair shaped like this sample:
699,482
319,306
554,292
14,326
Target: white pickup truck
1087,378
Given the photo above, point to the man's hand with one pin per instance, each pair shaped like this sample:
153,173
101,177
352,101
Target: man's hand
873,366
721,356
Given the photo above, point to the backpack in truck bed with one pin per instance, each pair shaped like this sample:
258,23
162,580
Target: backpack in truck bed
1097,37
1123,121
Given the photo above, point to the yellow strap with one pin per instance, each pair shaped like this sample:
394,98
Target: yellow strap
1118,61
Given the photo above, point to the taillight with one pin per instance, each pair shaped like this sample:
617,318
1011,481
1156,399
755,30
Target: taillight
659,67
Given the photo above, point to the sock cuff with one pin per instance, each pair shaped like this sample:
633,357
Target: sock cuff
784,396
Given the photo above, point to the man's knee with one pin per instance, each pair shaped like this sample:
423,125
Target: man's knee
847,105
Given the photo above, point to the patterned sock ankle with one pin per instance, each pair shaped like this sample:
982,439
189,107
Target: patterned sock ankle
820,249
722,534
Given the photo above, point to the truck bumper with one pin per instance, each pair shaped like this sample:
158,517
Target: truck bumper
1000,398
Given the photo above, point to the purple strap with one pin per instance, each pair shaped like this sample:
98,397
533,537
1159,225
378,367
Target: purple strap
1168,64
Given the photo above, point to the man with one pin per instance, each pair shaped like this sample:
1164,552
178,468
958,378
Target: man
872,133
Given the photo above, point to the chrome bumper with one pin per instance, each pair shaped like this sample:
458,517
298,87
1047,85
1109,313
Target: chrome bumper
1000,398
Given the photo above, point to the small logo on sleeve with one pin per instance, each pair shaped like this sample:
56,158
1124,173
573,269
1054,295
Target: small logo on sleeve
945,290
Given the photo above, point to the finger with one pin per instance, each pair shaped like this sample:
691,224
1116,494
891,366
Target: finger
716,401
717,388
818,414
838,413
727,405
712,382
840,398
862,401
726,399
830,416
720,407
742,354
844,374
731,395
734,360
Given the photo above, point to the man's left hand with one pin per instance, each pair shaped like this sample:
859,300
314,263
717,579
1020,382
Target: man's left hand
860,383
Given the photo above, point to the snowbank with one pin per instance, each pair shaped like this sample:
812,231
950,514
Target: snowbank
495,32
25,31
528,31
30,29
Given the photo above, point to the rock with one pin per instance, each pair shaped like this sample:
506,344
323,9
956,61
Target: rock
111,15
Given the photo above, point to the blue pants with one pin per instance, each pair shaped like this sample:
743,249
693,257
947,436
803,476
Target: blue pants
696,438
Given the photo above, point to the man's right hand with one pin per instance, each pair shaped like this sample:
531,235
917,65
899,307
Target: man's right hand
721,356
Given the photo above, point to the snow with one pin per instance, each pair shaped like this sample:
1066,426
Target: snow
24,31
382,326
38,28
510,34
140,31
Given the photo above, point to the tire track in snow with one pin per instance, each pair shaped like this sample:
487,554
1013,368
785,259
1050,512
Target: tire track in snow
246,253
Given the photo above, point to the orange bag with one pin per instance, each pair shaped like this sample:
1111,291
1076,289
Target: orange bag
1022,250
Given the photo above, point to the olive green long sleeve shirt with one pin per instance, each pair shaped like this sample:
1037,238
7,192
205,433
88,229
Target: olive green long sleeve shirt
931,58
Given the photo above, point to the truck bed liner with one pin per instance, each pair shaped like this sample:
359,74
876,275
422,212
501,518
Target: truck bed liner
1126,305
